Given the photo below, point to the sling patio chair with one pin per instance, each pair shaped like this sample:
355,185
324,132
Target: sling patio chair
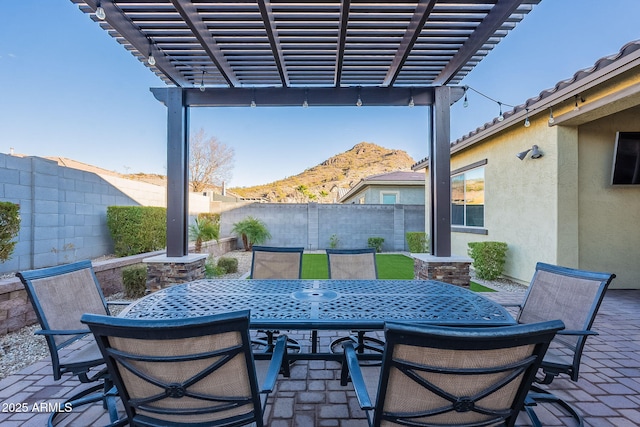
354,264
449,376
196,371
573,296
60,295
277,263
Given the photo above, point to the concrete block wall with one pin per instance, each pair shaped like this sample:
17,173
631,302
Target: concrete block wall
62,210
312,225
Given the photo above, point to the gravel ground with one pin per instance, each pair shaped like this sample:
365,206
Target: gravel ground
22,348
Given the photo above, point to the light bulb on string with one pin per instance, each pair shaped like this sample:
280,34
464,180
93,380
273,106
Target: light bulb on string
151,60
500,116
465,103
202,87
527,123
305,103
551,119
411,102
100,13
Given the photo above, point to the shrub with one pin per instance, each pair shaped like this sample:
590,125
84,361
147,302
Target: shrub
229,265
252,231
334,241
488,258
134,281
376,242
137,229
418,242
9,228
212,270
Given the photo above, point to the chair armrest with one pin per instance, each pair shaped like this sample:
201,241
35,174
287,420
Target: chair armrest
63,332
279,359
119,302
576,332
359,386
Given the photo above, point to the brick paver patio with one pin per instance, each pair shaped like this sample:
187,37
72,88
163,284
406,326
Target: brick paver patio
607,394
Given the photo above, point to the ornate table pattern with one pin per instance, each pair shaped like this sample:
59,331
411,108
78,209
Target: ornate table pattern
325,304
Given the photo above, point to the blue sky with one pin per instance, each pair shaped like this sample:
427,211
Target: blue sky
69,89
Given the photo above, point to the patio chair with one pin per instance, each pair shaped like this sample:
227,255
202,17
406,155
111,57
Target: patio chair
281,263
573,296
187,372
60,295
447,376
356,264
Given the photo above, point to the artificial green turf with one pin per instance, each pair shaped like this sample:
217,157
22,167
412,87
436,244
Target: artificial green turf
476,287
390,266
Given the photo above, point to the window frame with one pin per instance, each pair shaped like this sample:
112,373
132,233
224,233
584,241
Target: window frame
470,228
386,193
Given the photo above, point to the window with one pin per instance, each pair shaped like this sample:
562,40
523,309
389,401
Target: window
467,198
387,198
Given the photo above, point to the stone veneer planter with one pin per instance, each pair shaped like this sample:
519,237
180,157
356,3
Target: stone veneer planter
454,269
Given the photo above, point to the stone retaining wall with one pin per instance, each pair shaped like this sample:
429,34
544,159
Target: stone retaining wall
16,311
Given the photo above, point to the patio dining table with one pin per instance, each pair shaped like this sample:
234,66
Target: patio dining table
324,304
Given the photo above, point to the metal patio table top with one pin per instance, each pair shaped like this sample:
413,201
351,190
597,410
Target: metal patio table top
324,304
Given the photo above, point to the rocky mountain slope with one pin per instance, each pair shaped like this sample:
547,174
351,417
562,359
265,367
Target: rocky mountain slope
323,183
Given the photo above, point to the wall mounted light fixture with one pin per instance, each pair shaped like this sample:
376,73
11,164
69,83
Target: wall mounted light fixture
535,153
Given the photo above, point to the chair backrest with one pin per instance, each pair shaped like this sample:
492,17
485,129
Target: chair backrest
189,371
60,295
270,262
352,263
458,376
571,295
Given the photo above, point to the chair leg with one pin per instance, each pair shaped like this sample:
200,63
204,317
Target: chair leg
105,392
538,395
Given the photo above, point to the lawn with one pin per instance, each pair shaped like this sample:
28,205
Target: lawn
390,266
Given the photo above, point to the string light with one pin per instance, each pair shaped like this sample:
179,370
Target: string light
527,123
465,103
500,116
551,119
100,13
253,99
576,108
305,103
202,88
359,101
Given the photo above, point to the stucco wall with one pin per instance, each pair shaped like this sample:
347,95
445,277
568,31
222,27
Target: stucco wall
609,215
407,195
521,200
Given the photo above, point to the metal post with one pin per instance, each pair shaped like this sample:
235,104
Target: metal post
177,173
440,173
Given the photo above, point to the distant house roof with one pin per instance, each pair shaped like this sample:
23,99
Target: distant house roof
600,71
406,178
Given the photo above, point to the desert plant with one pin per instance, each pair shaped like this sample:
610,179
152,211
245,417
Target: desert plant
213,270
488,258
418,241
252,231
9,228
375,242
134,281
203,229
230,265
334,241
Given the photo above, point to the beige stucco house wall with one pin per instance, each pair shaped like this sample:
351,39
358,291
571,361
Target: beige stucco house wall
561,208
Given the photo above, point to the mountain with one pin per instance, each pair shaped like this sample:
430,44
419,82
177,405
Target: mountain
325,182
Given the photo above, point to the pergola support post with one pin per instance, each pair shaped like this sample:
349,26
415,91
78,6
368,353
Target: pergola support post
177,173
440,173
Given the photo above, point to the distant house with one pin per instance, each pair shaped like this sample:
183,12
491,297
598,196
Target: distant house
391,188
577,201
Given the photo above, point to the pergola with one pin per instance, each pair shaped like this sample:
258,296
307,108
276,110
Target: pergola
311,52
